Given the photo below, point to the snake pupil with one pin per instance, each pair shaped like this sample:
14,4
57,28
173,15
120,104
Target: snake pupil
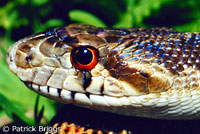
84,56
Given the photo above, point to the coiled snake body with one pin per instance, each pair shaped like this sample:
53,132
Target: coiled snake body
130,71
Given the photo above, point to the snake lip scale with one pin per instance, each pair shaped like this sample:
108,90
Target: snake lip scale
142,72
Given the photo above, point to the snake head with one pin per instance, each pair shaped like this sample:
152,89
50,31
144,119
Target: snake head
61,62
130,71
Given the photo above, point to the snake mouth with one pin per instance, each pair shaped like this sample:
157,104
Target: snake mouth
54,93
84,99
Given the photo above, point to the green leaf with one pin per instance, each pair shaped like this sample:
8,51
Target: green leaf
125,21
86,18
39,2
14,111
8,16
144,9
189,27
136,11
54,23
127,17
38,116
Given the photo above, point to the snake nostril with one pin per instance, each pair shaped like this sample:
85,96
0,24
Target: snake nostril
28,58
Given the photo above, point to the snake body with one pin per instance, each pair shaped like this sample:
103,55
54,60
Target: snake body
142,72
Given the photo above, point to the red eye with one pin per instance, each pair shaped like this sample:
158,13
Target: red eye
84,58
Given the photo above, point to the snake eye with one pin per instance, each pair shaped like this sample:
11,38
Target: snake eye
84,58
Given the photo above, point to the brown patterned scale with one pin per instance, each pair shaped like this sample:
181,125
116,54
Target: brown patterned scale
131,71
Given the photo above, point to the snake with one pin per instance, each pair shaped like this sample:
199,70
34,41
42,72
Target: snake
142,72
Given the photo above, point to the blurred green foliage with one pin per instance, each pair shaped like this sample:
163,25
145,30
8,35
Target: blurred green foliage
20,18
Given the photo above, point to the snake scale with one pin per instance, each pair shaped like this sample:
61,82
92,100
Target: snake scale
141,72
